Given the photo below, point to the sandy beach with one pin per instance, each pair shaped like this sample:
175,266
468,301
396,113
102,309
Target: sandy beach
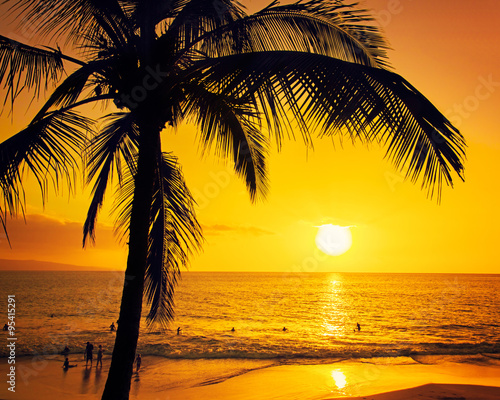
161,378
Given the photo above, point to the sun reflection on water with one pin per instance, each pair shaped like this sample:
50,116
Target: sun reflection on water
339,379
332,313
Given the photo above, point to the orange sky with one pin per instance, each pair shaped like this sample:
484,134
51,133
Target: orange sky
449,51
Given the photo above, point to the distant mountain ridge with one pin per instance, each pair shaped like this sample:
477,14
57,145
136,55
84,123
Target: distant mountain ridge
34,265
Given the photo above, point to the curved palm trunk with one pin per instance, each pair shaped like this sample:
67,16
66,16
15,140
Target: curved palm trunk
120,372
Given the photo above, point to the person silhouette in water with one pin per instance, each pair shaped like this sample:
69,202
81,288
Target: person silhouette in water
67,365
88,354
358,326
100,352
138,361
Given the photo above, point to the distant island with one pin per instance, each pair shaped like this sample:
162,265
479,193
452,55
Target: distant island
33,265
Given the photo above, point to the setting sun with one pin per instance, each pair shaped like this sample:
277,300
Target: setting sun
334,240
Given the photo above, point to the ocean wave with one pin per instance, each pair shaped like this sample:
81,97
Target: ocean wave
457,326
225,345
347,352
191,353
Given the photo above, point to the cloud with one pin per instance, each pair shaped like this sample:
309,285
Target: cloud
52,240
219,229
44,238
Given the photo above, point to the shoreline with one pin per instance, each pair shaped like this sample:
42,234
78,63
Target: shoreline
223,379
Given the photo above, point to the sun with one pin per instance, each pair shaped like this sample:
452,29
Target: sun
333,240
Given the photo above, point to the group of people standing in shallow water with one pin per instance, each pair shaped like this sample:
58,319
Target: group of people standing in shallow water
89,356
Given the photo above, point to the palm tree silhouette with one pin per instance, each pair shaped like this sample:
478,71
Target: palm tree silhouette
315,67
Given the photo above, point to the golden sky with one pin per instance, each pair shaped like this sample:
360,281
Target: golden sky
449,51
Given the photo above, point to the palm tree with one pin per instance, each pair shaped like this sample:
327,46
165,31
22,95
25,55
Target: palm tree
315,67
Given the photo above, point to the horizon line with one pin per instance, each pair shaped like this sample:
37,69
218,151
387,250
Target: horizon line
97,269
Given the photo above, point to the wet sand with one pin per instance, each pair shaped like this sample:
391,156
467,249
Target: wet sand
161,379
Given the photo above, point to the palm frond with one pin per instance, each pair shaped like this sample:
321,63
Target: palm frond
174,235
332,96
122,204
24,67
334,29
153,12
48,148
3,224
322,27
111,21
232,123
111,149
337,22
69,91
198,17
75,19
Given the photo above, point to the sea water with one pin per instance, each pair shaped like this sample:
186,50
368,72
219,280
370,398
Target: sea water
400,315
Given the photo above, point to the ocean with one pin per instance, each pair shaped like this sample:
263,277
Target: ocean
400,315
